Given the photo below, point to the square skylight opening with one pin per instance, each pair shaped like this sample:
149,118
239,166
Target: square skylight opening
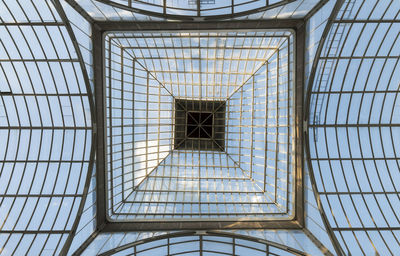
242,168
199,125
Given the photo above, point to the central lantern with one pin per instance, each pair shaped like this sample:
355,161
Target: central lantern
199,129
199,125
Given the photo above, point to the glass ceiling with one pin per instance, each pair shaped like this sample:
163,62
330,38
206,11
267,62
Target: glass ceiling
208,243
196,9
252,73
47,171
117,10
45,129
354,131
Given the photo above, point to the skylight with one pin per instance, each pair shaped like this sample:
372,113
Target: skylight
199,125
197,9
54,181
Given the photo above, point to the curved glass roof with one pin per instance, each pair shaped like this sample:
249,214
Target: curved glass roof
206,243
354,126
214,10
48,176
45,128
196,9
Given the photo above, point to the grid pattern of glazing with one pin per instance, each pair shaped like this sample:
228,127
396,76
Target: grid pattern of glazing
140,118
108,11
45,129
251,72
354,127
196,9
259,130
369,237
206,66
198,184
199,124
205,243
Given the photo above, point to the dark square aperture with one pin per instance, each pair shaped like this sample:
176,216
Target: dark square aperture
199,125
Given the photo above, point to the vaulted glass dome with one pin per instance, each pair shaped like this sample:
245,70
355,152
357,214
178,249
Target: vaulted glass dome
196,10
199,127
246,167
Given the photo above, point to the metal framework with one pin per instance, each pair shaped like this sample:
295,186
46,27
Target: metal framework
352,138
137,194
199,124
45,129
203,242
197,10
55,196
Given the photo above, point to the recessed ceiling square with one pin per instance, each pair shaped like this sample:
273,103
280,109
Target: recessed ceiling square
200,127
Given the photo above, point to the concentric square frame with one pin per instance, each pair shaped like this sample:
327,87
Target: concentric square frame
182,141
106,224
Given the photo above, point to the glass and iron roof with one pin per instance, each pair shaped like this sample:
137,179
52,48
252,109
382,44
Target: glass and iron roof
115,10
45,129
196,9
48,175
354,127
249,74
